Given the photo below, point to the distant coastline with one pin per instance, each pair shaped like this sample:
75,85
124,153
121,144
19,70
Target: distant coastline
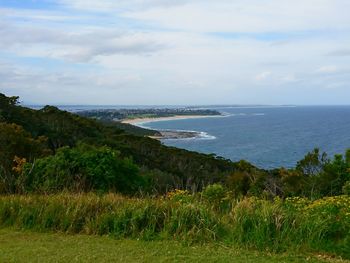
140,121
171,134
133,120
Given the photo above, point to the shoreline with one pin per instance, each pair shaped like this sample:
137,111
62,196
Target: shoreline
137,121
172,134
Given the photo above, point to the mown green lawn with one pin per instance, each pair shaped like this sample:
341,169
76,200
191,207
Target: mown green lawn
18,246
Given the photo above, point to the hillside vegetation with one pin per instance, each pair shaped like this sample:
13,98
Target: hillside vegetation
80,154
65,173
27,135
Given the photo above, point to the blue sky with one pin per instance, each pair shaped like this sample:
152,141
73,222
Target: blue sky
176,52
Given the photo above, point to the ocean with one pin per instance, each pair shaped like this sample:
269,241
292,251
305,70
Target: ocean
268,137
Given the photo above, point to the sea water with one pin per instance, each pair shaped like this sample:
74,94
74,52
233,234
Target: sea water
268,137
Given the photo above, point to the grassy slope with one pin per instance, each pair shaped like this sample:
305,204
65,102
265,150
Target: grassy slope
16,246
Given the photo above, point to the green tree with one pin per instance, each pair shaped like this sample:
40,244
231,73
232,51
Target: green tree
82,169
335,174
16,142
311,166
293,182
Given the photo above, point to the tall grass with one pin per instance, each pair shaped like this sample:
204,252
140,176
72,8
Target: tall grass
273,225
109,214
280,225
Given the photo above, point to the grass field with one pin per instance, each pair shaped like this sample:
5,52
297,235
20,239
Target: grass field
18,246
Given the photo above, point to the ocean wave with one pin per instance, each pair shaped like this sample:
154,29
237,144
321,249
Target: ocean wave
142,125
206,136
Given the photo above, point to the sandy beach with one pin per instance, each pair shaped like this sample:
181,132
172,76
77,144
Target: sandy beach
176,117
168,134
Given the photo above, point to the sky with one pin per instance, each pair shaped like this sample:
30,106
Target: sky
179,52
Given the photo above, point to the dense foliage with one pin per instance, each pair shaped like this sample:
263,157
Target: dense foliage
15,142
40,152
81,168
134,130
166,167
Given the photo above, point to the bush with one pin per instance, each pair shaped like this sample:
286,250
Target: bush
181,196
15,142
81,169
215,195
346,188
325,222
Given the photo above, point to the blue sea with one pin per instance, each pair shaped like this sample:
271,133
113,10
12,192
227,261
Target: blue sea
268,137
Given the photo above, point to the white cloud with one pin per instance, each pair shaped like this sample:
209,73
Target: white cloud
342,52
38,15
250,16
119,5
80,45
289,78
327,69
263,75
171,52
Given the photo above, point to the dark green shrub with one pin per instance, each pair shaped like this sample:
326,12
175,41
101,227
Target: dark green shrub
81,169
216,196
346,188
